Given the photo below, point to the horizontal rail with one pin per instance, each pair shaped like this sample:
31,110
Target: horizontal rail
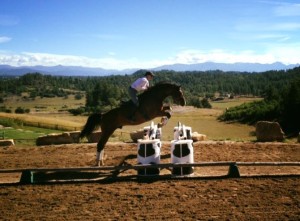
146,166
268,163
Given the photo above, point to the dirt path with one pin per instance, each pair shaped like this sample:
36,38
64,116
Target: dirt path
256,198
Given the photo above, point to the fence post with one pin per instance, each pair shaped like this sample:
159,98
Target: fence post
233,171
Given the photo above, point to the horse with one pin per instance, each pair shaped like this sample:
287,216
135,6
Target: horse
150,106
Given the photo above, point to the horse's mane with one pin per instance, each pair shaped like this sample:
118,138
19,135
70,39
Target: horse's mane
159,85
156,89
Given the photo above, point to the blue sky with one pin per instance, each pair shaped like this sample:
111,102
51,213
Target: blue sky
120,34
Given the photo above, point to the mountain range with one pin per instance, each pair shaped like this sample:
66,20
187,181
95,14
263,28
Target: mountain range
7,70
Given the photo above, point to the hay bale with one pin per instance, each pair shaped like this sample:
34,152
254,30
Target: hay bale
63,138
7,143
268,131
75,136
198,137
50,139
135,135
94,137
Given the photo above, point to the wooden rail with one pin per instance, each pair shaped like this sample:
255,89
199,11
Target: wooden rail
29,174
146,166
268,163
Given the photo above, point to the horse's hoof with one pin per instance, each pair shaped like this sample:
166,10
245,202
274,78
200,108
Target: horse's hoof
98,163
101,163
164,121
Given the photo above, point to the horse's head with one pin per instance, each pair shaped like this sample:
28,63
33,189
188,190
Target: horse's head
178,97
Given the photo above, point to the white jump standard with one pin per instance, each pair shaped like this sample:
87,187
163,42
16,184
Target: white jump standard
149,150
182,150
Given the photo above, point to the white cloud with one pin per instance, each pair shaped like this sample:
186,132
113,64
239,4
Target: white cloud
255,26
288,26
32,59
4,39
287,54
280,53
276,37
286,9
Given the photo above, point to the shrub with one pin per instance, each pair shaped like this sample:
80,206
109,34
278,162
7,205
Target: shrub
77,111
78,96
21,110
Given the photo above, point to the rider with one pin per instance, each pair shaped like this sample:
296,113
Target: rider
139,85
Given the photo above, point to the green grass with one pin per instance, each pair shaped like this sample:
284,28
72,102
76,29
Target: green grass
208,125
25,135
44,104
227,103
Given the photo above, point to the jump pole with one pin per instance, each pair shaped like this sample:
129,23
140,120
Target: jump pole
143,166
233,172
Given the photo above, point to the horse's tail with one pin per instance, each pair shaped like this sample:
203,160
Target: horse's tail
92,122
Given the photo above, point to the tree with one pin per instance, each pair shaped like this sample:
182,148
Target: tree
195,101
103,94
205,103
291,108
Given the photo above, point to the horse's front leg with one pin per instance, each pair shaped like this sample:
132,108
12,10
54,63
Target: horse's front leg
165,111
166,108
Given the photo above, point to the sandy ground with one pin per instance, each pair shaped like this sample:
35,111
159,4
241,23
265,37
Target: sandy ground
262,193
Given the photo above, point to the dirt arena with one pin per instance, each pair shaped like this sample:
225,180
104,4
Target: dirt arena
262,193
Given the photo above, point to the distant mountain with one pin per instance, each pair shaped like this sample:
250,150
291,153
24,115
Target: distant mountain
7,70
239,67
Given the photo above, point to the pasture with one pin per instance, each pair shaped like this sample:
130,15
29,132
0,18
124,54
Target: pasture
55,104
51,113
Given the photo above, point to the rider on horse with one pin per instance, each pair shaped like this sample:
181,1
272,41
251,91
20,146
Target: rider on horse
151,105
139,85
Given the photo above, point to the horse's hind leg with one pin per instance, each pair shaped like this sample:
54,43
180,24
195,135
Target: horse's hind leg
100,153
99,158
100,148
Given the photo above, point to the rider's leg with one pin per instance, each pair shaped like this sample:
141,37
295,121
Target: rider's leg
133,95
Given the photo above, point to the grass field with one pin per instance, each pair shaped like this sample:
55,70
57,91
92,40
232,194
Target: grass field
26,135
203,121
44,104
227,103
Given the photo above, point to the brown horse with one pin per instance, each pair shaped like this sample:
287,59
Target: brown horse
150,106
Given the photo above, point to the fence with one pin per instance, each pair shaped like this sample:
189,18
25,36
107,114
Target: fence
51,126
